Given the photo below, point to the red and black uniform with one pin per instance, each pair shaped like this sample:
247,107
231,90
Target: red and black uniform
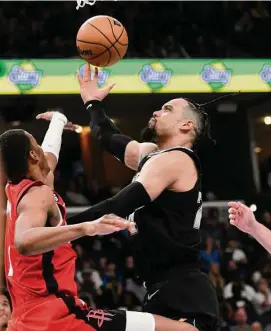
42,287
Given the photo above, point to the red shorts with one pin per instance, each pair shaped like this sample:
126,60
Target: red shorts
65,314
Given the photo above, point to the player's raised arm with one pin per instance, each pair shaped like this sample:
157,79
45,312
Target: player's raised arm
154,178
243,218
103,129
36,208
52,140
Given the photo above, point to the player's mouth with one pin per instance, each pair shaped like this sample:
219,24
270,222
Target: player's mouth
152,122
3,316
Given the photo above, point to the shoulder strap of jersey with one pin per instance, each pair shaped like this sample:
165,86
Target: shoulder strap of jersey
185,150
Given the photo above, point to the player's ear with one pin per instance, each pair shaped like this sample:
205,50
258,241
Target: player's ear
186,125
33,156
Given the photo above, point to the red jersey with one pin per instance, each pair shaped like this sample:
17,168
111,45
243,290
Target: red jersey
37,276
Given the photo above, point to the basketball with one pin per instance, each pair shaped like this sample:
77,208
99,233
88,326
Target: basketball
102,41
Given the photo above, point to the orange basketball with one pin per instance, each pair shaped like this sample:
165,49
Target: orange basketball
102,41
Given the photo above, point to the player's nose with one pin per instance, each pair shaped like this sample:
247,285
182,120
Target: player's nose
156,113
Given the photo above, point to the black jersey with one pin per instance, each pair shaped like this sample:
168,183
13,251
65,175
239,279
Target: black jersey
167,235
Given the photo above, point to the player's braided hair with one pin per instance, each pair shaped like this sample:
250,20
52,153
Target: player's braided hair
203,130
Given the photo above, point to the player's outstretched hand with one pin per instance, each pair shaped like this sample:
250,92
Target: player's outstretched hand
47,116
241,216
89,88
106,225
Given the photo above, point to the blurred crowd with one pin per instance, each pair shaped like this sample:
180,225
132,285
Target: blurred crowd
156,29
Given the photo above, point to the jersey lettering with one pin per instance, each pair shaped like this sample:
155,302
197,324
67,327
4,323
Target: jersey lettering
8,209
198,217
10,270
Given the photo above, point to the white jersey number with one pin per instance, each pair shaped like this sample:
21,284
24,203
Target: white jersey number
198,217
10,270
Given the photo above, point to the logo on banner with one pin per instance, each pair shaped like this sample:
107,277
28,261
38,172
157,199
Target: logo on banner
25,76
3,69
216,75
155,75
265,74
102,75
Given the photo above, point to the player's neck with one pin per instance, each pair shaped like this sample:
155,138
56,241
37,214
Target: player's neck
37,174
173,142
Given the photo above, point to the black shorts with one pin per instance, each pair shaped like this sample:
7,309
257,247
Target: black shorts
187,295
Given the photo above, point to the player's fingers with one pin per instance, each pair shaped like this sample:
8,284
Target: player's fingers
121,223
44,116
232,217
233,211
233,204
87,73
96,75
69,126
75,127
131,227
233,222
109,88
115,220
79,77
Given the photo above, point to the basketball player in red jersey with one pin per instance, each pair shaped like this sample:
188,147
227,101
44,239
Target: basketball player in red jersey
39,259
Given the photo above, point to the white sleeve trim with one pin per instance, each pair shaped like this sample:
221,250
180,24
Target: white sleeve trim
136,321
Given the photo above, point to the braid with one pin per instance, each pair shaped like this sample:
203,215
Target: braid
204,119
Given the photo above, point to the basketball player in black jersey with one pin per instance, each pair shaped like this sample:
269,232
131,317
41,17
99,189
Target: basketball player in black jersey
165,201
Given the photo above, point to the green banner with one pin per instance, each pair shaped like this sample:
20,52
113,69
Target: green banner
138,76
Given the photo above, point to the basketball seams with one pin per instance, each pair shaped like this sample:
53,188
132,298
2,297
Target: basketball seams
112,44
117,39
95,57
98,55
109,57
90,42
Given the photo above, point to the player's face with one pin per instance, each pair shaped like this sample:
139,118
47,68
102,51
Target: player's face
5,310
38,155
170,119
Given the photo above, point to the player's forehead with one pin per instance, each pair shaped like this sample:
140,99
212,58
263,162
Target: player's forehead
176,104
3,299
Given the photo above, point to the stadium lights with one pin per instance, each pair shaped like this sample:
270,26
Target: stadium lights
267,120
79,129
257,149
253,207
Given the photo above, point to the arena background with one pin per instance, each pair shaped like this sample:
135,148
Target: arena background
180,38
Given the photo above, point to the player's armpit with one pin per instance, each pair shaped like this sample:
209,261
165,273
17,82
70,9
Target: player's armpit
136,151
161,171
31,235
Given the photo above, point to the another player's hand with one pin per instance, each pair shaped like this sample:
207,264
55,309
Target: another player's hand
241,216
47,116
106,225
89,89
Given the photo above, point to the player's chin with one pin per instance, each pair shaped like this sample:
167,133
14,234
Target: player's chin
3,321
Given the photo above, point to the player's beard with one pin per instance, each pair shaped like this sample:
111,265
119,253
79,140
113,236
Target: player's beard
148,135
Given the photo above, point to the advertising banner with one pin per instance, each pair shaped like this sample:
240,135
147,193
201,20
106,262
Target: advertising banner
58,76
